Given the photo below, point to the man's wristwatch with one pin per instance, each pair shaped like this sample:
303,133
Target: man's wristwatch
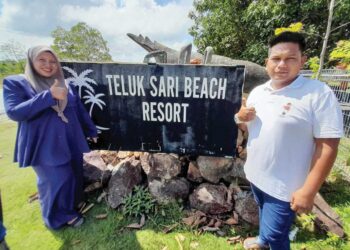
237,120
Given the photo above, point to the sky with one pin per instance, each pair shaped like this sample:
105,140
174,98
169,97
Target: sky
30,22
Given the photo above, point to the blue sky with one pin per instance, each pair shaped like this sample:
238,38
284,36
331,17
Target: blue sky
30,22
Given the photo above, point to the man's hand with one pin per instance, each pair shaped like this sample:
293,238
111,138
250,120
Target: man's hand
321,164
246,114
58,92
302,202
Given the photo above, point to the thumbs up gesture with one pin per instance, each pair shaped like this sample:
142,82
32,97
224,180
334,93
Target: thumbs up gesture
58,92
246,114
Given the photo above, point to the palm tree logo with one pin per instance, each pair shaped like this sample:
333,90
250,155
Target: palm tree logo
94,100
81,80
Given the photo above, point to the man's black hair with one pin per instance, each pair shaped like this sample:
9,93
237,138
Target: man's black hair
289,37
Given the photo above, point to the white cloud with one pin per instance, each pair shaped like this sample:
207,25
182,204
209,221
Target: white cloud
167,23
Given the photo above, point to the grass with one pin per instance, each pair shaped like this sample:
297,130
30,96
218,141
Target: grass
26,229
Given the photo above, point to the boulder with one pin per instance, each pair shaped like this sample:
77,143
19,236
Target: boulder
95,169
110,157
236,171
193,173
160,166
125,176
165,191
211,199
214,168
246,207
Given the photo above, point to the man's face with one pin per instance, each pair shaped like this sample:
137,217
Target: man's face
284,63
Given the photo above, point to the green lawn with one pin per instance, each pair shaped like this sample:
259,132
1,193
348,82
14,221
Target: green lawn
26,230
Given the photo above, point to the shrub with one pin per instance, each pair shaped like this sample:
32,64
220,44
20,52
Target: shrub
138,202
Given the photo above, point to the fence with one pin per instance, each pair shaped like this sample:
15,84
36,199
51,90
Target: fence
339,82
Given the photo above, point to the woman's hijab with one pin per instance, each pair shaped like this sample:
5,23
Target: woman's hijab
41,83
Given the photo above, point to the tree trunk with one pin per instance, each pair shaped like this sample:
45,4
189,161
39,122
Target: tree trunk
325,41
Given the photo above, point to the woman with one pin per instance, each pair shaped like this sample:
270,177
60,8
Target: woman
51,137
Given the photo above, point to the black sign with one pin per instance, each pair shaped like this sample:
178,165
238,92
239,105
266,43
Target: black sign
183,109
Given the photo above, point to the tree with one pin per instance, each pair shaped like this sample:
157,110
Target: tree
81,43
241,29
341,53
13,54
326,37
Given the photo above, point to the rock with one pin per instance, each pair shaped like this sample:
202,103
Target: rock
110,157
124,154
214,168
193,173
236,171
212,199
246,207
95,169
160,166
165,191
137,155
125,176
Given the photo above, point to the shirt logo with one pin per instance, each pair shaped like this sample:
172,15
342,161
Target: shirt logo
286,108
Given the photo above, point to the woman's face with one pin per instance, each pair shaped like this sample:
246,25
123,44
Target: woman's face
45,64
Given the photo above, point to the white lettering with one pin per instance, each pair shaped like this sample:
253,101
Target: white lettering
153,92
187,87
153,111
116,85
145,111
222,88
160,110
140,89
162,91
204,90
195,86
213,93
185,106
109,78
170,85
132,85
169,112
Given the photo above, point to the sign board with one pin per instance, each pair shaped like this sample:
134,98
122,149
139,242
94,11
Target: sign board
183,109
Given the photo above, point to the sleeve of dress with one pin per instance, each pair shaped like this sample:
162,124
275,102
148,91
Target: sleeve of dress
84,118
19,106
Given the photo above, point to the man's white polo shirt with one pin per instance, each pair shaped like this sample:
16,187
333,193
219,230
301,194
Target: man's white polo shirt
281,137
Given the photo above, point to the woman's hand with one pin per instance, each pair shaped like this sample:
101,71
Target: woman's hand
94,139
58,92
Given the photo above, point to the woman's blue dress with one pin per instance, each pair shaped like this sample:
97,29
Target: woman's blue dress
54,148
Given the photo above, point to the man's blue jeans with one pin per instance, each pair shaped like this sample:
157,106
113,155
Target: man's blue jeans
275,220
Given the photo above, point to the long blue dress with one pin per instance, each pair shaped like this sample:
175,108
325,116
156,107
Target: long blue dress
54,148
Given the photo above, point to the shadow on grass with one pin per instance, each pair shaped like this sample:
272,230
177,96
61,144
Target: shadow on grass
337,191
96,233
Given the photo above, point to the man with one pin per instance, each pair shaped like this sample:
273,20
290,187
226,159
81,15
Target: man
294,126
